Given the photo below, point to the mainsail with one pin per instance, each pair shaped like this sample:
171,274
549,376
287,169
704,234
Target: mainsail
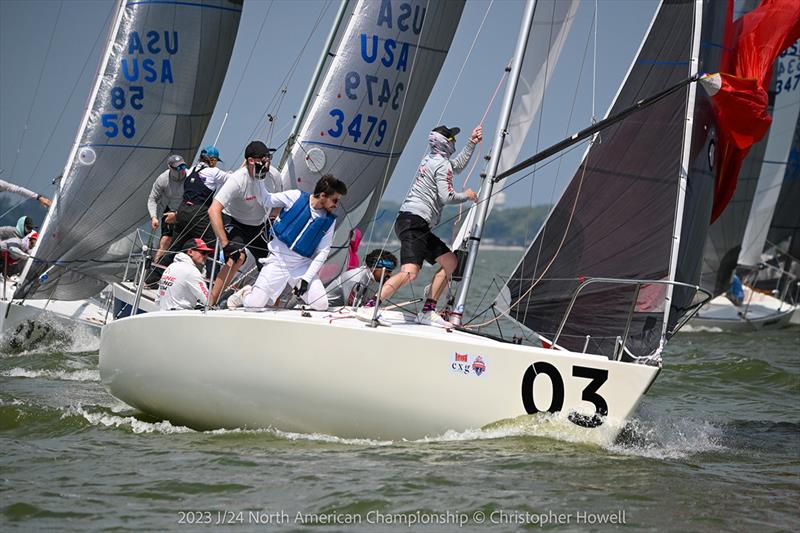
773,168
156,88
552,21
622,212
388,57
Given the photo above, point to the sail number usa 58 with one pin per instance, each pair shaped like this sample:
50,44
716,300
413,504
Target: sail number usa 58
543,370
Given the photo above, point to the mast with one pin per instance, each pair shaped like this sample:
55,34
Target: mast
326,51
497,147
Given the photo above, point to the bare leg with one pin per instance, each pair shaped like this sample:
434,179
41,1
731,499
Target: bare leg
226,275
448,263
163,246
407,274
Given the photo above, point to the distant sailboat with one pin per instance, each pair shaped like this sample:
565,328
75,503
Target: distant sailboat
738,237
156,87
320,372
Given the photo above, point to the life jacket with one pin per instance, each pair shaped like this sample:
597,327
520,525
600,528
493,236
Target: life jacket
296,229
195,191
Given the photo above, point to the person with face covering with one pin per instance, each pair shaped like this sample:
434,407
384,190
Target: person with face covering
420,213
238,216
14,248
165,197
303,234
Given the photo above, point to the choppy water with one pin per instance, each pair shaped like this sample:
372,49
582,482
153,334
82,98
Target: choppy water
715,445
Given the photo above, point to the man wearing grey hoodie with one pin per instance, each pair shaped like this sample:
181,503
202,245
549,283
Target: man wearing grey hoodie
164,199
420,213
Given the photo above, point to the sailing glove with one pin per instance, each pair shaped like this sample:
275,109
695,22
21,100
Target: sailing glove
232,251
301,288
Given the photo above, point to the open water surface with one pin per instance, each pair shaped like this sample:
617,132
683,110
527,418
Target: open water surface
715,445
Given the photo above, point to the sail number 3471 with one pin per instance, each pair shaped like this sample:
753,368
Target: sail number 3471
596,375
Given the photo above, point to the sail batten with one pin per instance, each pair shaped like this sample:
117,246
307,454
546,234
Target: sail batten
156,88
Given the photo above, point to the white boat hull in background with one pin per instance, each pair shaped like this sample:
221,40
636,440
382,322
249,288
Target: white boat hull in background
337,376
124,295
31,320
761,311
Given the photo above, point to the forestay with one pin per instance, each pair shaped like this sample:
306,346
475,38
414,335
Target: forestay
157,85
621,215
388,57
552,21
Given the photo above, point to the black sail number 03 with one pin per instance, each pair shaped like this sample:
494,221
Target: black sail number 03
596,375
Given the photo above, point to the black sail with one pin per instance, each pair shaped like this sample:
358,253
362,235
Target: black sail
785,228
617,217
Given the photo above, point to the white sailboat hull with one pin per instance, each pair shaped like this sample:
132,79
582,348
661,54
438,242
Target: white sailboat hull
760,311
277,369
33,319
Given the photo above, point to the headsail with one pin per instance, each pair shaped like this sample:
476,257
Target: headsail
552,21
387,60
619,215
787,109
156,89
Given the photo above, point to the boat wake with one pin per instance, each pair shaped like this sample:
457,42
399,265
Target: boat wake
689,328
48,335
668,438
112,419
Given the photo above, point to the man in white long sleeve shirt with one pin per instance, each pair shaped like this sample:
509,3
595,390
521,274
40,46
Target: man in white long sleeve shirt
420,213
165,197
303,234
22,191
183,285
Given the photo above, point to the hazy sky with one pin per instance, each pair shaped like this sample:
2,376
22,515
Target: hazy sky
49,52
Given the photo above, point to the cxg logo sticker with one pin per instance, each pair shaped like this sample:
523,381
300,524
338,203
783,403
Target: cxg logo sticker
468,364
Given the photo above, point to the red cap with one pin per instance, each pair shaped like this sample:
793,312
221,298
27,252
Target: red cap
34,235
197,244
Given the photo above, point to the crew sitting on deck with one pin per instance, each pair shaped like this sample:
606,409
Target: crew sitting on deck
303,234
183,284
16,245
353,285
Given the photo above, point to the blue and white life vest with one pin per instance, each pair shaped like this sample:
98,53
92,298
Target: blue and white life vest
298,230
195,191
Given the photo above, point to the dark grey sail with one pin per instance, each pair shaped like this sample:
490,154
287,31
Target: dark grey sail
620,215
155,91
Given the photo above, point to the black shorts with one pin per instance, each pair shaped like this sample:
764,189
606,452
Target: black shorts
167,230
253,237
417,242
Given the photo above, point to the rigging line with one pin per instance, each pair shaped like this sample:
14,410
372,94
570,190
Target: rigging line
566,132
38,84
399,121
464,64
594,64
249,58
505,312
282,87
100,34
14,207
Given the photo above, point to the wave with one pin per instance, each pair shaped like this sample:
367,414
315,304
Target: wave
134,424
65,375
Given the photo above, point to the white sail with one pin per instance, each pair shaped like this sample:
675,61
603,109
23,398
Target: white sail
552,22
776,156
387,59
156,88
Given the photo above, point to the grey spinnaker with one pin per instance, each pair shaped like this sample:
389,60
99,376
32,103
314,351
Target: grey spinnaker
387,60
619,216
156,89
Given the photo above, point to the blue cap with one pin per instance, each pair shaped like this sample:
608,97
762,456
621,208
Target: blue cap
211,151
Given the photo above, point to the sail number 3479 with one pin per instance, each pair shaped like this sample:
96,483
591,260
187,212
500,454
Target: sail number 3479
596,375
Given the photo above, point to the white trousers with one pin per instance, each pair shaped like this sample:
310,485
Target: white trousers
273,278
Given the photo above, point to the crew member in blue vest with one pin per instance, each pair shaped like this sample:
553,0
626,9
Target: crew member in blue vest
302,238
237,216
